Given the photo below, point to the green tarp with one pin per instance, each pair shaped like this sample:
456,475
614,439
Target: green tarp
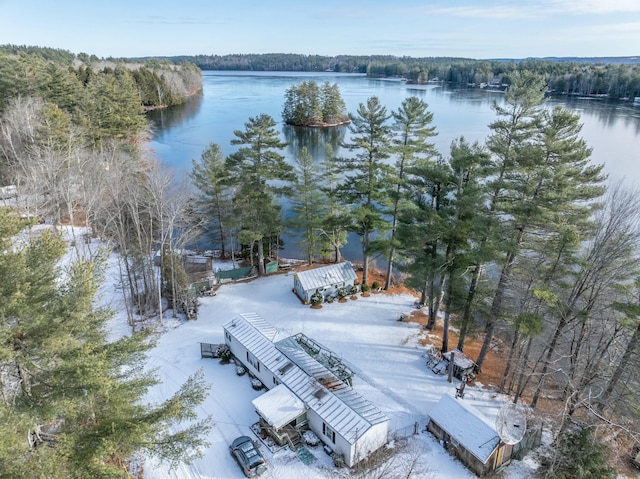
238,273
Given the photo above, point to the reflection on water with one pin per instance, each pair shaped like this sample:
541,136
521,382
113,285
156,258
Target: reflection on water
229,99
162,120
314,139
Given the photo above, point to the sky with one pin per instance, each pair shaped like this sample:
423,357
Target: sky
415,28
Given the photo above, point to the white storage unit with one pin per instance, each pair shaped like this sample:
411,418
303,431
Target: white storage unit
326,279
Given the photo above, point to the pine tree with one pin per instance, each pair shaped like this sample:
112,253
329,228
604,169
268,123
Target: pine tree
366,174
333,106
466,224
260,174
513,150
307,203
421,228
334,224
579,454
113,106
213,202
308,104
412,131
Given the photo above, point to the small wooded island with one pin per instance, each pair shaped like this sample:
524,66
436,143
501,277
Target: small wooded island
311,105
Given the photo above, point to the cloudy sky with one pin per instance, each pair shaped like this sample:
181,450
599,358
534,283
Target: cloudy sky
417,28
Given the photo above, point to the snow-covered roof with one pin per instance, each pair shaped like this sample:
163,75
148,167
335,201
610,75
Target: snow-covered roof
466,426
326,275
459,359
257,336
279,406
348,413
342,408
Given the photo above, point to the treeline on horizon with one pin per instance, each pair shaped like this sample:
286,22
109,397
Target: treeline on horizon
616,77
158,83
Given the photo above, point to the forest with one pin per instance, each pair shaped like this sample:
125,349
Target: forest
615,78
520,240
72,150
159,84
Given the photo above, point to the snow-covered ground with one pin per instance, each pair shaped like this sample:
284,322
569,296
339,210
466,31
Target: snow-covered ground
384,353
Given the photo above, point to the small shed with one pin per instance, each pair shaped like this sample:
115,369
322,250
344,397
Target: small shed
462,365
326,279
467,435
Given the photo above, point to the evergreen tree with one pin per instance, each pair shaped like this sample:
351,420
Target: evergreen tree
71,403
422,225
61,87
333,106
412,131
308,104
554,184
513,151
214,201
366,174
466,224
113,105
307,203
303,104
579,454
333,227
260,175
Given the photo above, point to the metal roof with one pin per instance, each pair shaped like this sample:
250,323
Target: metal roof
326,276
341,408
466,426
279,406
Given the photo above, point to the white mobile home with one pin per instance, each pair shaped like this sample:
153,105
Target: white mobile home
326,279
318,399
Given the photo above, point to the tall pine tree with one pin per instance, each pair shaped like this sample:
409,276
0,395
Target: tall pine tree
260,176
412,131
307,204
366,174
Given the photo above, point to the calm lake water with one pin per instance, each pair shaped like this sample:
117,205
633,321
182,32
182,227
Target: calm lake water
229,99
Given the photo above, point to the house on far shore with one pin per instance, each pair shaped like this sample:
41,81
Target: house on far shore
467,435
326,279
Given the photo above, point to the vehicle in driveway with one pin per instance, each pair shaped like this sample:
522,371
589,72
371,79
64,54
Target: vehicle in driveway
248,456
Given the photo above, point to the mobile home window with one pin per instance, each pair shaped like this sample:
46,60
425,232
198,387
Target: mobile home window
330,433
251,359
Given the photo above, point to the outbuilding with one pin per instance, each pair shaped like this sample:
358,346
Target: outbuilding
327,280
304,393
467,435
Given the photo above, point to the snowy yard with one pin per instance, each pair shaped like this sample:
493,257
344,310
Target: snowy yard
385,354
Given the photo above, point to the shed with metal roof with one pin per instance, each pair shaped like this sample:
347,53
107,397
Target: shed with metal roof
327,280
468,435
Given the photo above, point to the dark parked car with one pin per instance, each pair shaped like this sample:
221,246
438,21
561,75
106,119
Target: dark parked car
248,456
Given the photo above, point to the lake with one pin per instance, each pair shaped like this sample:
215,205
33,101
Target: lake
229,99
